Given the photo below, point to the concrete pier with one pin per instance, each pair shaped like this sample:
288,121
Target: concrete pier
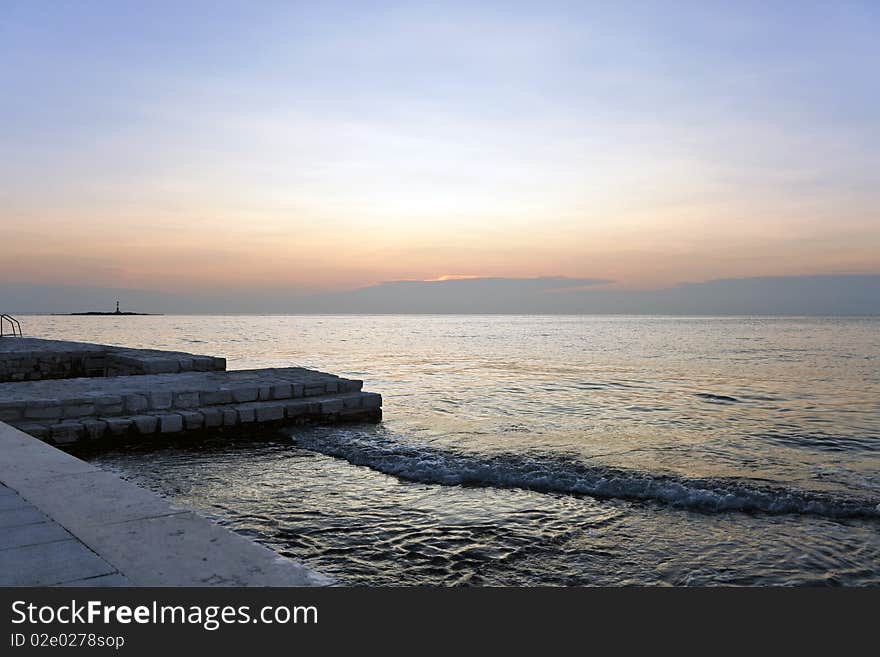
35,359
70,410
200,395
64,522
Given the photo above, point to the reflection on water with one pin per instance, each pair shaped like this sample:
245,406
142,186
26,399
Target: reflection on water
655,450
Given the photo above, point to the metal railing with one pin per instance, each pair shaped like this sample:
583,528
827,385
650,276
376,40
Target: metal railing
14,324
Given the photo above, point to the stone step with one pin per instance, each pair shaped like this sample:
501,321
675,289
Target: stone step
34,359
56,401
339,406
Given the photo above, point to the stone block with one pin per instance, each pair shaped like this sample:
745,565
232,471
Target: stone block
65,433
117,426
281,391
136,403
35,429
265,393
160,366
186,399
94,363
331,406
79,410
269,412
161,400
145,424
170,423
240,395
94,429
192,420
245,414
296,408
76,401
211,397
42,411
352,401
213,417
10,412
230,417
203,363
371,400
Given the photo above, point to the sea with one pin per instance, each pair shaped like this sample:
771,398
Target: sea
542,450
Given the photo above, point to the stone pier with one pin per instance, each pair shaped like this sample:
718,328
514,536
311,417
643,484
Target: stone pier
35,359
64,522
195,394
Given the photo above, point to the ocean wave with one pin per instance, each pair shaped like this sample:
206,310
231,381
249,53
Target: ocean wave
560,474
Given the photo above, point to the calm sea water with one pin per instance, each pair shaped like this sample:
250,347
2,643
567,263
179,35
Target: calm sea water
546,450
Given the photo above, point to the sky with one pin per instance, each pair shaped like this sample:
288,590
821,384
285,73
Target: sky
220,148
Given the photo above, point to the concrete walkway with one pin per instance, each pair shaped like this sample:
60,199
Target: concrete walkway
37,551
66,522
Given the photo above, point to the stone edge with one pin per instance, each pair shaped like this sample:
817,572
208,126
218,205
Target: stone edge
137,529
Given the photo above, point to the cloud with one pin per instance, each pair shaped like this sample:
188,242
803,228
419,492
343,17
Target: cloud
772,295
459,295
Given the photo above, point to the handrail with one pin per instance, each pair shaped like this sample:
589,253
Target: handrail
14,323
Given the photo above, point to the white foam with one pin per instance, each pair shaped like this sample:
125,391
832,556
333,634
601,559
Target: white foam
551,473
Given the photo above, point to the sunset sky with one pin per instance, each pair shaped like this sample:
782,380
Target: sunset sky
325,146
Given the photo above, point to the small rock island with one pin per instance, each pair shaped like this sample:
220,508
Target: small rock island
117,312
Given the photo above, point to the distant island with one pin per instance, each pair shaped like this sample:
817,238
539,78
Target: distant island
116,312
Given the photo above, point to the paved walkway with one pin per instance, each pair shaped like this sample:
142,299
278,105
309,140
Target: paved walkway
37,551
65,522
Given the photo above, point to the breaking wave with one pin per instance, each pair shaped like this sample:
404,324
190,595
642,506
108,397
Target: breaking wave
559,474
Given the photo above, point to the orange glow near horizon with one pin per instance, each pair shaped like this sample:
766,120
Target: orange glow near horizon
341,159
450,277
